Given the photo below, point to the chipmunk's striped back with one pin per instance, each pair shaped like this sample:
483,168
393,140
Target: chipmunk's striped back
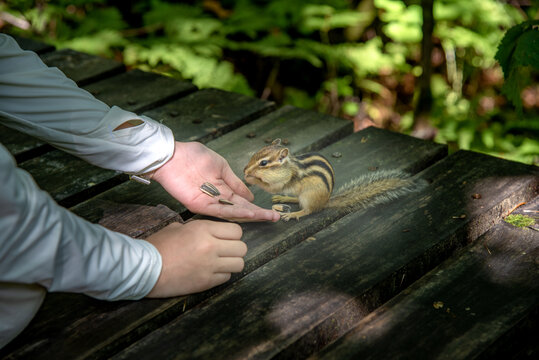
314,164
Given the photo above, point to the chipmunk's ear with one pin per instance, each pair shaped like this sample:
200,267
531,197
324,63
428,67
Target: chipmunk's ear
283,153
276,142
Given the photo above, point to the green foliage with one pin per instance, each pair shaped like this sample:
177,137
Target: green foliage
356,59
518,55
403,23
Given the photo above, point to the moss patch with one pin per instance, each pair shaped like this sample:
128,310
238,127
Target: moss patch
519,220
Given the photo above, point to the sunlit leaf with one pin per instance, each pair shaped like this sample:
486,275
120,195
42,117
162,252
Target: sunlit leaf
487,136
466,137
390,6
350,108
529,147
99,43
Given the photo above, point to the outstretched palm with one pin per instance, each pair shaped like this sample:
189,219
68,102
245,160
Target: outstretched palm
194,164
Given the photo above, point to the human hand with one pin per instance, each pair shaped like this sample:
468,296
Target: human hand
194,164
197,256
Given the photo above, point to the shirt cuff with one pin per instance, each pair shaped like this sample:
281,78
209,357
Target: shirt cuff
148,281
134,150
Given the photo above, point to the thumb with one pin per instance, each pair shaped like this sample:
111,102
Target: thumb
237,186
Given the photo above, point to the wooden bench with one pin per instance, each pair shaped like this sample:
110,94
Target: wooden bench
436,274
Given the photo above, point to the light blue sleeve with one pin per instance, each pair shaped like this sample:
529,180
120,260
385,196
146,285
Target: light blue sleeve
43,245
42,102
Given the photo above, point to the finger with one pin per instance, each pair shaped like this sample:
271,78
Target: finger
263,215
259,214
224,231
241,210
237,186
229,211
229,265
219,278
266,214
255,215
231,248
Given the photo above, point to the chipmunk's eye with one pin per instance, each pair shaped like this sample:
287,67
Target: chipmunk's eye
263,163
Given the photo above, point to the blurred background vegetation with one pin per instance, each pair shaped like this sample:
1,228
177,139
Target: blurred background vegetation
425,67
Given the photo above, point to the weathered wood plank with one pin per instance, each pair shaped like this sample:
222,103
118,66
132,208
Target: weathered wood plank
302,130
22,146
69,179
32,45
459,309
138,221
209,113
139,91
316,291
81,67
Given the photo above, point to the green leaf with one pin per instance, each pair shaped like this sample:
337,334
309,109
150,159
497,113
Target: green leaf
515,81
99,43
368,58
527,49
509,43
350,108
487,136
466,136
390,6
529,147
518,55
325,18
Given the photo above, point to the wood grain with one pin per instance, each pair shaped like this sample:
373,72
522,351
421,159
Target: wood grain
461,308
23,147
32,45
209,113
69,179
139,91
81,67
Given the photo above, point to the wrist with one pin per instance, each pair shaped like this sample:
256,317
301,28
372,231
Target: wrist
159,173
156,174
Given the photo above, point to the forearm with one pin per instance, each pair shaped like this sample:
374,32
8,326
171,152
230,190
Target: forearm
42,102
43,243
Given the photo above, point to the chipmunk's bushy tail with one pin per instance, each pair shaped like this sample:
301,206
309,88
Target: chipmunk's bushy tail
375,188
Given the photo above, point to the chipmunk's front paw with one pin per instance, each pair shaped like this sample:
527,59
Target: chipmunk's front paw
285,216
294,215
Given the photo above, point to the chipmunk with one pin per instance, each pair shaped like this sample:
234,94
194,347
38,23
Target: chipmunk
310,179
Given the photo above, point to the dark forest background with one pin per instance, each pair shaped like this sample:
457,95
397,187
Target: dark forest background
431,68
